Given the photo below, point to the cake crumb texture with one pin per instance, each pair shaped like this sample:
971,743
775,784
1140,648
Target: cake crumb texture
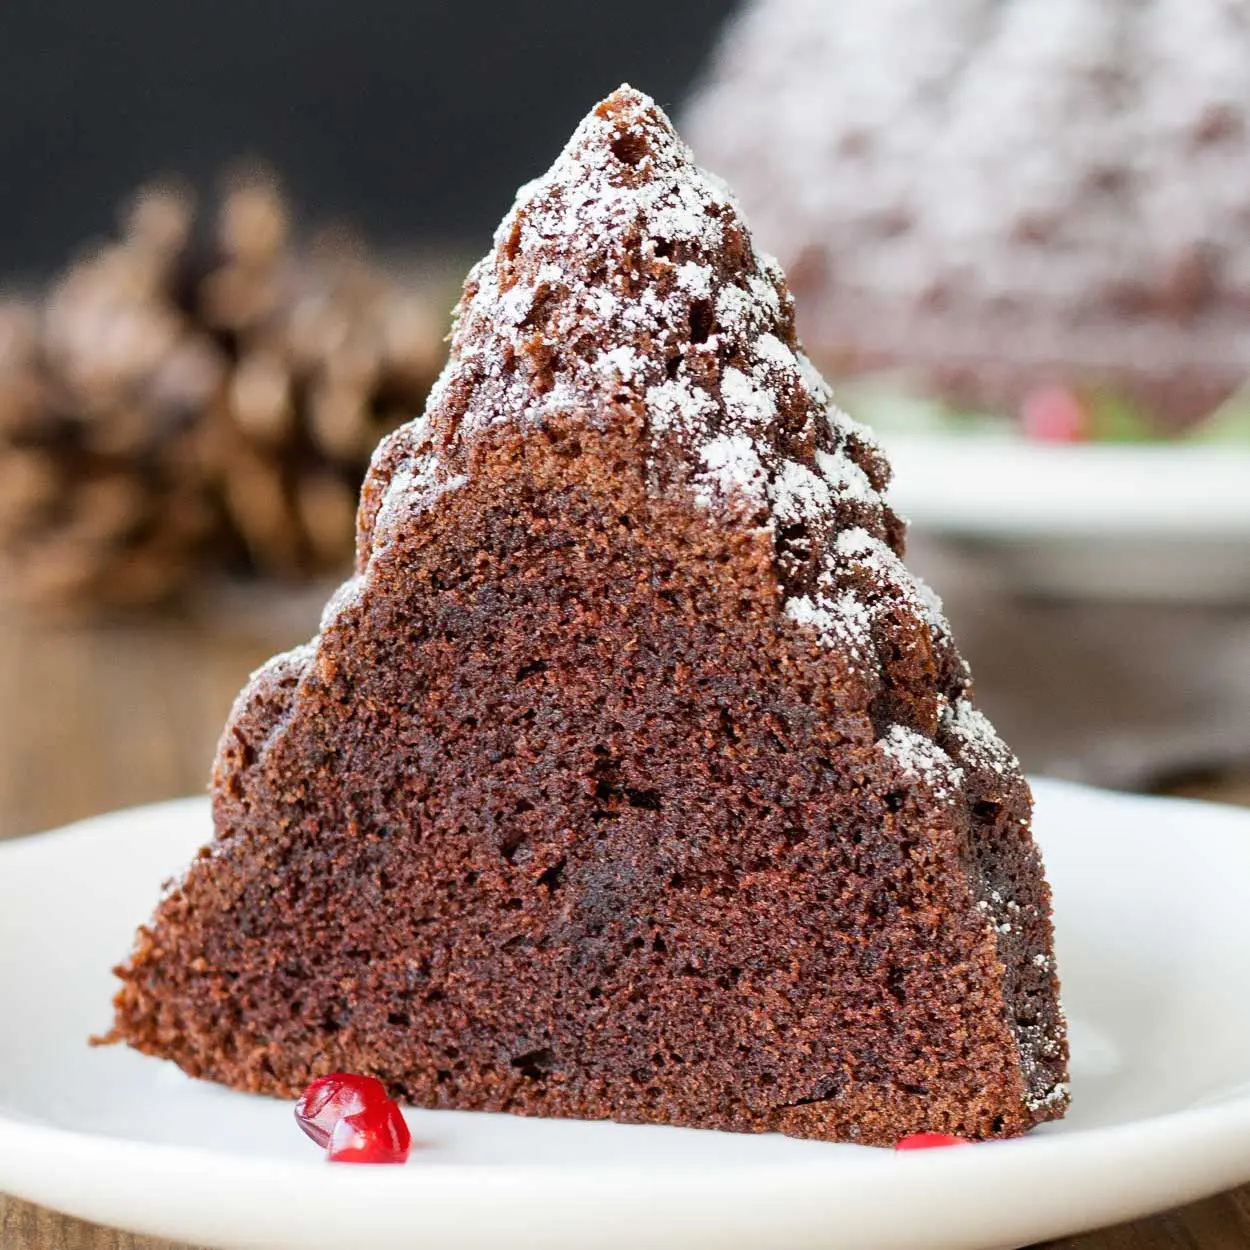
632,776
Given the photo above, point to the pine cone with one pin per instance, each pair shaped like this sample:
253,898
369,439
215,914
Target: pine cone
102,436
194,399
328,356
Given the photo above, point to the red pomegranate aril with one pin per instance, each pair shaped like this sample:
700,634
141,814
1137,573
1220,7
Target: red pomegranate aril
929,1141
377,1134
331,1098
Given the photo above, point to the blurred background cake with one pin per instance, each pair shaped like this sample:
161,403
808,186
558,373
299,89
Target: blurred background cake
1016,206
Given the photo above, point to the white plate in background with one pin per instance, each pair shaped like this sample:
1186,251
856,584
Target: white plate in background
1153,914
1092,520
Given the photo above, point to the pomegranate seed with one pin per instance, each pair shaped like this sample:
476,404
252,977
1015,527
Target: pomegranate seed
929,1141
329,1098
377,1134
1053,414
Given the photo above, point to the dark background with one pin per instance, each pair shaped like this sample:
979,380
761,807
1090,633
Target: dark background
415,120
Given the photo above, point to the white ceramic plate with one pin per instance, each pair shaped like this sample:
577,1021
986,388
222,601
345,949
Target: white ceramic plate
1153,910
1015,487
1149,520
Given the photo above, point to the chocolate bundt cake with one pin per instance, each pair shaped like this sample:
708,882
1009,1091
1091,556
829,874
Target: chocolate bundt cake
990,196
632,776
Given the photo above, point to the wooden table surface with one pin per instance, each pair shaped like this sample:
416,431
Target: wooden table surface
98,717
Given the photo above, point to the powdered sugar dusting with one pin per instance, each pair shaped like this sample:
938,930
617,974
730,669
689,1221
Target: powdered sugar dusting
839,620
847,478
1056,1095
413,488
858,554
734,467
934,608
865,551
923,759
799,494
981,745
679,407
621,362
695,279
750,405
772,351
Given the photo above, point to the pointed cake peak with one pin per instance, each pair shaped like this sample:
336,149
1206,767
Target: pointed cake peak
623,291
623,275
627,113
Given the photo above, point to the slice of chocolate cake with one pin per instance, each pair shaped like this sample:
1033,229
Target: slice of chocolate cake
632,776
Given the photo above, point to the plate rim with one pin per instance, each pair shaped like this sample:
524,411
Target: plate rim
1073,475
